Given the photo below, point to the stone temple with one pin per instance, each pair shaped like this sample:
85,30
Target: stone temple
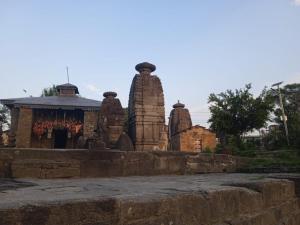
186,137
69,121
53,121
113,178
146,109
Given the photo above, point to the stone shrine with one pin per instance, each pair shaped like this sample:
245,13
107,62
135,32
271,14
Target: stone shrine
146,109
186,137
180,119
112,118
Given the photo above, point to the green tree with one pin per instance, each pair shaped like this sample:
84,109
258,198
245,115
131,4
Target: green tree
4,117
50,91
291,102
234,113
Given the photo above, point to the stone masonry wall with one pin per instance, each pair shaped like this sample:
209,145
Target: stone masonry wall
90,123
23,135
18,163
193,139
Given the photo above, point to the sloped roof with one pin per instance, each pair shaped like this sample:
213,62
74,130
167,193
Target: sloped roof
54,102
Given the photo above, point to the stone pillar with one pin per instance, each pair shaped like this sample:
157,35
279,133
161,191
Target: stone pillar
180,121
23,134
146,109
112,118
90,124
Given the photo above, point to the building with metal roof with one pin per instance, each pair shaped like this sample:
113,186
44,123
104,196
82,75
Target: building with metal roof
52,121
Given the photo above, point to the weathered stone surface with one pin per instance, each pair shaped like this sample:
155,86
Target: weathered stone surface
112,118
45,168
41,163
180,120
146,109
216,199
124,143
195,139
90,124
24,128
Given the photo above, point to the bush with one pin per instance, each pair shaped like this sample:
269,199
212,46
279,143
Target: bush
207,150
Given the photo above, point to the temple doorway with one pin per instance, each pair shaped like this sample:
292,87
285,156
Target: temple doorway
60,138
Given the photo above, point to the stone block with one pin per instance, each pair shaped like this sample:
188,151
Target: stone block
45,168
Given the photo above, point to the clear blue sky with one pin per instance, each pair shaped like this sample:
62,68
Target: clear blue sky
199,47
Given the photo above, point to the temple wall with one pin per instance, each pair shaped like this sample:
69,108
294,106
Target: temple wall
193,140
90,123
43,143
23,133
49,143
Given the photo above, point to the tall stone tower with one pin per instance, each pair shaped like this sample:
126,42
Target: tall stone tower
146,109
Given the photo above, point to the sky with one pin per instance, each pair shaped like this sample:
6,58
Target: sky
198,47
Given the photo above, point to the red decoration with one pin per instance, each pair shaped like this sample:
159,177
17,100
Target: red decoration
41,127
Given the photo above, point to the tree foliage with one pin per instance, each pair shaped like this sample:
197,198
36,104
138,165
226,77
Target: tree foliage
50,91
4,117
291,102
234,113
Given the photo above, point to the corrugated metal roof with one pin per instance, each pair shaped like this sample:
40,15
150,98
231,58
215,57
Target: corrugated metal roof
54,102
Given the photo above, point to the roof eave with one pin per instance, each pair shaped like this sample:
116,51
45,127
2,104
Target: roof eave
64,107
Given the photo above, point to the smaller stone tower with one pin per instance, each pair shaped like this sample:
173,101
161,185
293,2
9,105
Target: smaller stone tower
111,118
180,120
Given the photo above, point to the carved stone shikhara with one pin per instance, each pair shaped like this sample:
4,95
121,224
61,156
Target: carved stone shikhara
111,118
184,136
146,109
180,119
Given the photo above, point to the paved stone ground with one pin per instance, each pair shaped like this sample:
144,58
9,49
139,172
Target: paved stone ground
22,192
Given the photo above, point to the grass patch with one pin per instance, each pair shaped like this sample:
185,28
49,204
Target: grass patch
287,159
281,160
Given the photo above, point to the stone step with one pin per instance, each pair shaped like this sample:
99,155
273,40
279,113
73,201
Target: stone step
214,199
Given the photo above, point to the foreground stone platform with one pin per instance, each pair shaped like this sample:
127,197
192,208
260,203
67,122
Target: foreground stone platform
52,164
214,199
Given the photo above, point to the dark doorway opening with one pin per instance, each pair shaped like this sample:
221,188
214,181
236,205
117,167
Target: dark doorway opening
60,138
